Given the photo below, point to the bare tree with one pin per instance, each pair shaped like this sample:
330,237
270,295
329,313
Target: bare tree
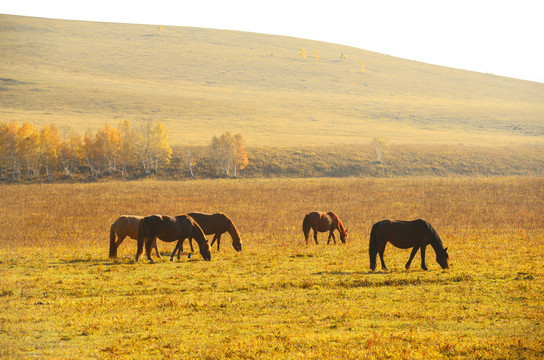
379,144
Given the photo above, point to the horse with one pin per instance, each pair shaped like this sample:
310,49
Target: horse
415,234
125,225
319,221
169,229
216,224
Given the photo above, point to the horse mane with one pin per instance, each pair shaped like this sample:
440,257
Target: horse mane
339,223
231,228
436,241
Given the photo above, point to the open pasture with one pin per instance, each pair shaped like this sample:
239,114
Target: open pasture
62,297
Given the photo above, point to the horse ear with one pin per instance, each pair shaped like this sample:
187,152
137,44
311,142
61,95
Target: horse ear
446,250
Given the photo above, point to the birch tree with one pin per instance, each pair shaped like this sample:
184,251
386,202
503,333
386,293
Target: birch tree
50,143
69,153
127,155
153,146
8,148
379,144
28,149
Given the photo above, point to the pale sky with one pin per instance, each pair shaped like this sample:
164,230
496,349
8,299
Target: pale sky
499,37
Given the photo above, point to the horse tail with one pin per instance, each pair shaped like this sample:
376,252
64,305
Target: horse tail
373,246
306,227
113,247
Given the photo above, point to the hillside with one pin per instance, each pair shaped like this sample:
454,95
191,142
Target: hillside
201,82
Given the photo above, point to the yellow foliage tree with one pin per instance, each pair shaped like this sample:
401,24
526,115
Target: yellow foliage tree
69,154
302,53
28,149
8,149
363,69
316,56
50,143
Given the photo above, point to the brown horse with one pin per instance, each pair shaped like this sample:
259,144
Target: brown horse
415,234
169,229
125,225
216,224
321,222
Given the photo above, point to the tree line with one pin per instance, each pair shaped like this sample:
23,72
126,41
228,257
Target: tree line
28,152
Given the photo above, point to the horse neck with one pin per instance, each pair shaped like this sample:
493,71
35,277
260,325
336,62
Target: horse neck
436,242
339,224
233,231
198,234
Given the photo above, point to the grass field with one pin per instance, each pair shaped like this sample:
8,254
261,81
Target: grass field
62,297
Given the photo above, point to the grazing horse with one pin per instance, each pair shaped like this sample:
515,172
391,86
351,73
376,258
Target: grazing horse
321,222
216,224
169,229
125,225
415,234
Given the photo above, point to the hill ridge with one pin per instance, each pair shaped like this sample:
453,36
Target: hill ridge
200,82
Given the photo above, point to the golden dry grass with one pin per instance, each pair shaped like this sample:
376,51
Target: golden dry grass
200,83
279,298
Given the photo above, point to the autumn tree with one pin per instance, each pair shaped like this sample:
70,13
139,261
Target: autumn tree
8,149
50,143
90,153
108,141
379,144
240,159
152,146
188,158
28,149
127,154
228,153
69,152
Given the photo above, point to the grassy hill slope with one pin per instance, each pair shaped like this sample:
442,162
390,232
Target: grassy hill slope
201,82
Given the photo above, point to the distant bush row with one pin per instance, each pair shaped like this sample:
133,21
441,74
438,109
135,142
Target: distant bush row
132,152
128,151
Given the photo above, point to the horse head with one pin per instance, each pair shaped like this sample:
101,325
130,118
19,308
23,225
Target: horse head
235,235
442,259
344,236
205,251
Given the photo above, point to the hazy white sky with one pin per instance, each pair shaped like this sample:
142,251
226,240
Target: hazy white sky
500,37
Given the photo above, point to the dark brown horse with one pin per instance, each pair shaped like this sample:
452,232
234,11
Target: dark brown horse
216,224
125,225
169,229
415,234
321,222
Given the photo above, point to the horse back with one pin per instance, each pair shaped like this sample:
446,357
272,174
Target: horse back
127,225
211,223
404,234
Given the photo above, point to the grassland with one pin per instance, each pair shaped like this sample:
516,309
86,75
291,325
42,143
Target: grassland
61,297
202,82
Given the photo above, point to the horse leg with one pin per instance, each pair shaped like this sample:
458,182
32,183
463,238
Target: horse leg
115,246
331,235
179,245
382,250
141,242
216,237
148,246
218,240
423,257
157,250
315,236
191,245
414,251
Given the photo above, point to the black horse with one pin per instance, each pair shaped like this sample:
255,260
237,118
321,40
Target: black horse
415,234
